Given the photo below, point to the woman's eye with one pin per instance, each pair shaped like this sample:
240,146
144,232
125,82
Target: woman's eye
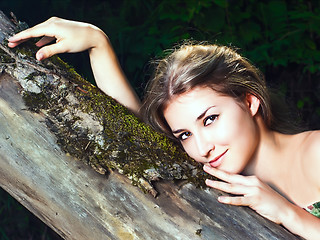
184,136
209,120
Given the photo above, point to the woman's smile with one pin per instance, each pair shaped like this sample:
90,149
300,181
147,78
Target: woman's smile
218,160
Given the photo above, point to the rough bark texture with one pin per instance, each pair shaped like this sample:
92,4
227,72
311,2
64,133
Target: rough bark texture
54,127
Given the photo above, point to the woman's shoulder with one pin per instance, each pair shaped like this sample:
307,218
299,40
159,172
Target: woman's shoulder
311,143
310,155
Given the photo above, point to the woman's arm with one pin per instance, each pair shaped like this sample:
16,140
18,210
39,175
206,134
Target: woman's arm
300,222
71,37
251,192
109,75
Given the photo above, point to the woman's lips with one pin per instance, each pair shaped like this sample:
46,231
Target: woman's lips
217,160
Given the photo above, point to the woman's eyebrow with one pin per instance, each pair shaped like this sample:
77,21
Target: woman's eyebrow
204,112
198,118
177,131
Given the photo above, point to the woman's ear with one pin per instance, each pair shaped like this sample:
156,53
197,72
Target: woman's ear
253,103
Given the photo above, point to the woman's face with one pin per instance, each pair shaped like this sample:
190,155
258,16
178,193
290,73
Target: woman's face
214,129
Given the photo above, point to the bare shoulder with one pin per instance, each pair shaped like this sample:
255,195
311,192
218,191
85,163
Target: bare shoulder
311,155
311,143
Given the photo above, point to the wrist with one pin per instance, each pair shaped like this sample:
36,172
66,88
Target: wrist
288,213
296,219
99,40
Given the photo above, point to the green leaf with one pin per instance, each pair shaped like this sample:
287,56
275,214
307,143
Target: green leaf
249,31
221,3
300,104
310,44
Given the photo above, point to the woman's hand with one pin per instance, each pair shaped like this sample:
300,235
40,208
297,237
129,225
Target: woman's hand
69,37
249,191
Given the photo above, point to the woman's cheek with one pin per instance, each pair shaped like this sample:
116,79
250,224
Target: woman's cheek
234,127
224,133
192,151
187,148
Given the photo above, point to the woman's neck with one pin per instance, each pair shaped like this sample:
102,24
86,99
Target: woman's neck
277,161
270,157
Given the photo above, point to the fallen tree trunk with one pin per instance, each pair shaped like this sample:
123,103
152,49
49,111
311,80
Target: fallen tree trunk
55,128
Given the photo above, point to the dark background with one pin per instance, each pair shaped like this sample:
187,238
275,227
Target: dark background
280,36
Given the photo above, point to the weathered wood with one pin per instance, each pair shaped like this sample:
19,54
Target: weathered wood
54,183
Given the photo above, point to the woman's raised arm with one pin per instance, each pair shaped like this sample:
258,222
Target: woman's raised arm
70,37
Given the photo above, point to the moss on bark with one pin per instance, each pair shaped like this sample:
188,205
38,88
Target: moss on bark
92,126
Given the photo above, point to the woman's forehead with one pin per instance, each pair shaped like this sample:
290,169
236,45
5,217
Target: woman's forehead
194,102
194,94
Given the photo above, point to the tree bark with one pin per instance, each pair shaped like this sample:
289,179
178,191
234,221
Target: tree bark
69,154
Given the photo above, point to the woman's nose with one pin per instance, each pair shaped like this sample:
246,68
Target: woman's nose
204,145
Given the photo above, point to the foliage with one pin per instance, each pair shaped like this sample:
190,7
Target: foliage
280,36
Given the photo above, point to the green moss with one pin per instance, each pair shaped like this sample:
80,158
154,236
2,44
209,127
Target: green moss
69,71
27,49
36,101
5,58
129,145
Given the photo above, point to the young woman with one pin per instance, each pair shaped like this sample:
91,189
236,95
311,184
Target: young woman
216,104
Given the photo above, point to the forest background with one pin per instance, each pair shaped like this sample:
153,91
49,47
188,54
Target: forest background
281,37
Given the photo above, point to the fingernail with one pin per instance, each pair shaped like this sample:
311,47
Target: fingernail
209,182
222,199
40,56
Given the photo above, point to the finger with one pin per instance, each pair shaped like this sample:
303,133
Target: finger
227,177
42,29
20,38
237,201
45,40
227,187
50,50
33,32
232,178
14,44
